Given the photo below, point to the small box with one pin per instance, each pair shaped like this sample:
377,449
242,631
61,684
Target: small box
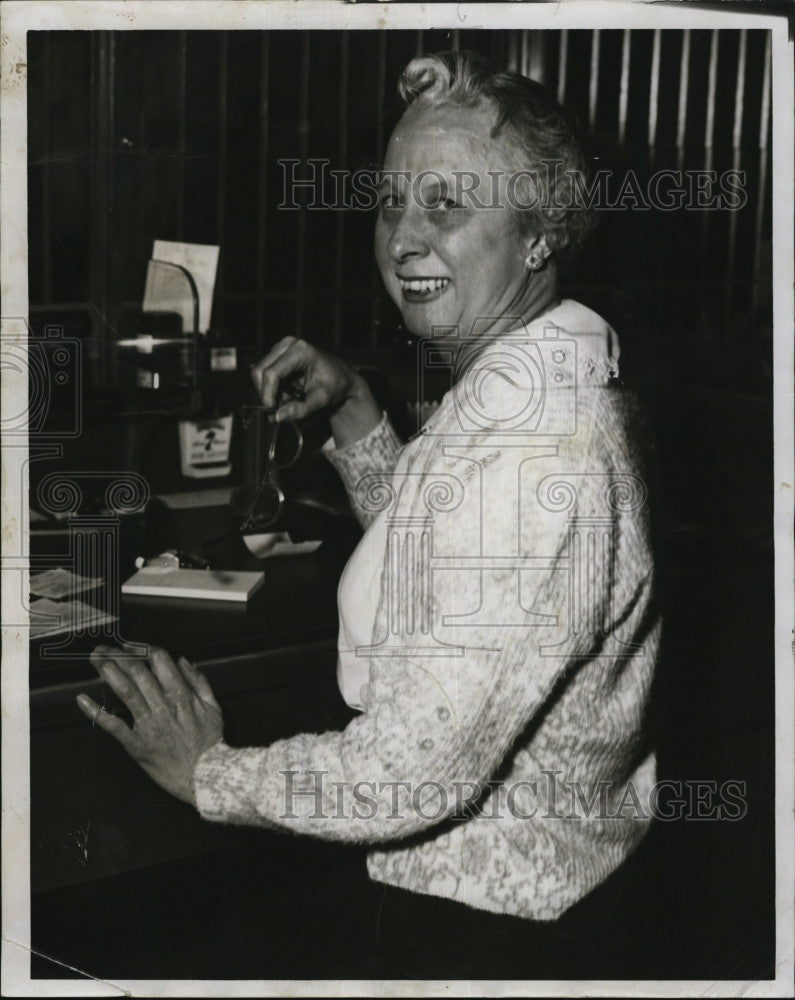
203,584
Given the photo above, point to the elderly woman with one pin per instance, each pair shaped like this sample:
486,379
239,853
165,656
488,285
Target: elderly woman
498,629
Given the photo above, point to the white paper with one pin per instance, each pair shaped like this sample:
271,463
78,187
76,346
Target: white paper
278,544
61,582
169,289
49,617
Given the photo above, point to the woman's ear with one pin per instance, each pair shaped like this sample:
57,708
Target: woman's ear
537,252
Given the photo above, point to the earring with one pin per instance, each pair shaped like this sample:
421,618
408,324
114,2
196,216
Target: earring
534,260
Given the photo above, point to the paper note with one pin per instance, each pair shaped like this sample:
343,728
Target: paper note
61,582
49,617
278,544
168,289
204,584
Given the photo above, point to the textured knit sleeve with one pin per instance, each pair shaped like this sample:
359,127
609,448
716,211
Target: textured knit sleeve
376,452
509,564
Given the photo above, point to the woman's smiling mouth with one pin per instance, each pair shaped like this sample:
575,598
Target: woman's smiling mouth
422,289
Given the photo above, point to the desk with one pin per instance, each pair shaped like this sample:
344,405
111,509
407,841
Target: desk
272,665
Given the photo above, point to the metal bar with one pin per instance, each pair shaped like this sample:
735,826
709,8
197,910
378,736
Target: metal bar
342,163
223,97
764,120
764,133
684,72
262,189
706,217
303,132
563,59
739,93
380,89
593,89
524,56
46,119
513,52
536,57
730,252
737,134
758,222
709,130
623,94
654,87
181,135
455,40
103,67
420,45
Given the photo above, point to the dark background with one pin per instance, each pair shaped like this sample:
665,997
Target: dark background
177,135
135,136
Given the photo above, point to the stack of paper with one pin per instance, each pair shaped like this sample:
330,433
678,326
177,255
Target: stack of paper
212,585
61,582
52,617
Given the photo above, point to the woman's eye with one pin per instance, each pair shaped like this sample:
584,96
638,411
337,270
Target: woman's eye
445,205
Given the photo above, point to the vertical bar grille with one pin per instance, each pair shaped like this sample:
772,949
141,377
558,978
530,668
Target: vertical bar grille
716,72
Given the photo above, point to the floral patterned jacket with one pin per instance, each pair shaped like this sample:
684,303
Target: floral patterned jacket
499,631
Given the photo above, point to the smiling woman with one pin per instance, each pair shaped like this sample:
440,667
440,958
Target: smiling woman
498,621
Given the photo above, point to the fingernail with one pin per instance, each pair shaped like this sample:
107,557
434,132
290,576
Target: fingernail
84,702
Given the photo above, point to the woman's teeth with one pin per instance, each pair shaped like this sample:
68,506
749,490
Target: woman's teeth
424,284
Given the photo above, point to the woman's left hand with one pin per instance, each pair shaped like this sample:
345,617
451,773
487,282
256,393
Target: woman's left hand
175,715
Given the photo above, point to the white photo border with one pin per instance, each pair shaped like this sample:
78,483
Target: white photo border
19,16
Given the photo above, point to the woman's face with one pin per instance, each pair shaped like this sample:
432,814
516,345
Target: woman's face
445,261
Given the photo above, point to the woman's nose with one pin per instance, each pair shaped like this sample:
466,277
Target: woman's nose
407,238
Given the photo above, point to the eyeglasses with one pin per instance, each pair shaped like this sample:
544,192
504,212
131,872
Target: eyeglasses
268,500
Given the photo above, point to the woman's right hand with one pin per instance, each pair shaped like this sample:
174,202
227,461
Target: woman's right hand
325,383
